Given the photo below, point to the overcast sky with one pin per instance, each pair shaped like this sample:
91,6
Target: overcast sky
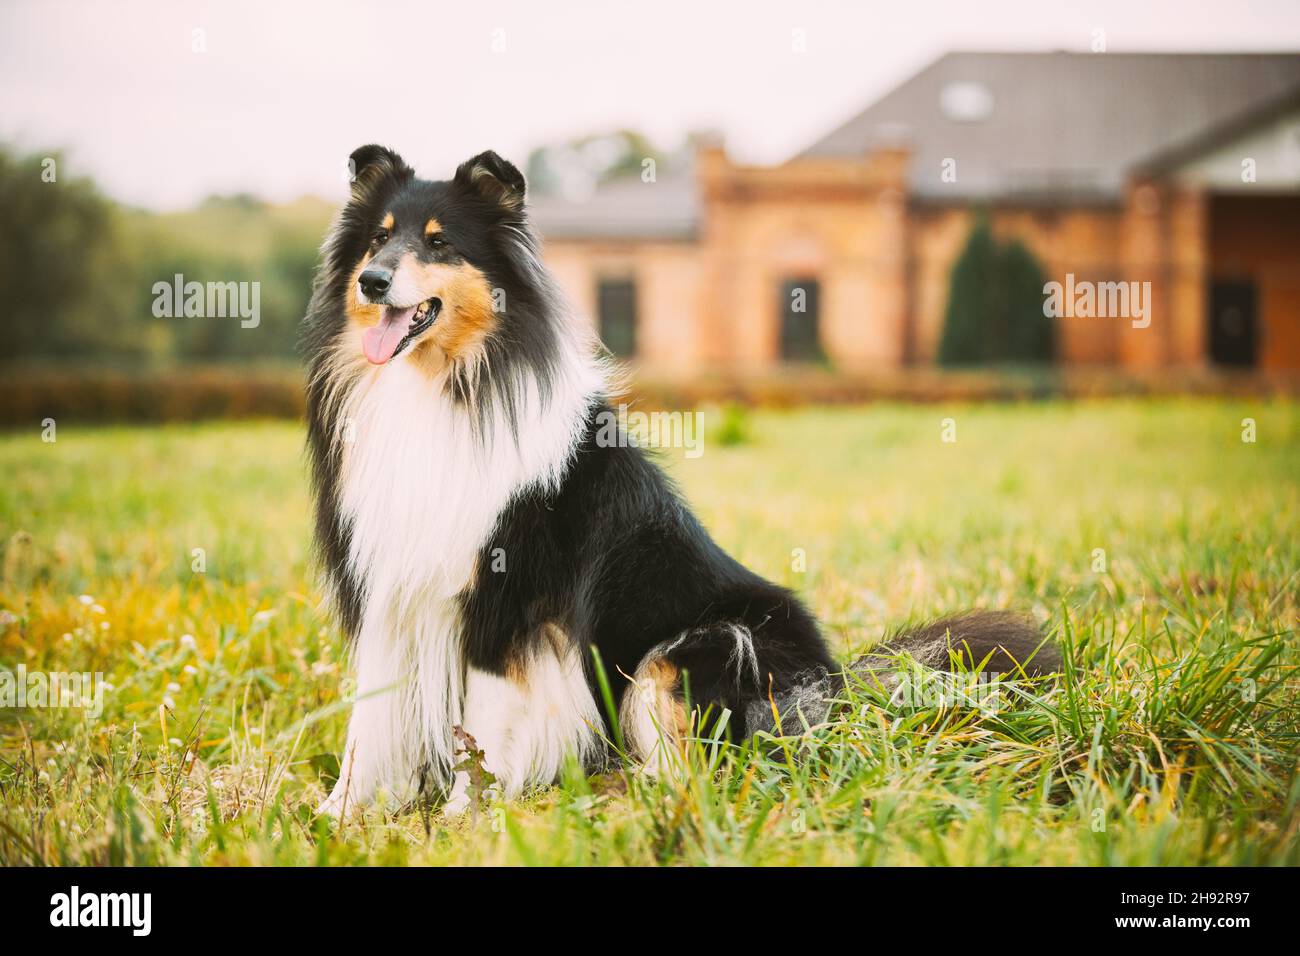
284,91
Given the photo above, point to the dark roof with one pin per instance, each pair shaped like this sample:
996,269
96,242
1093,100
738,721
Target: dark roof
624,209
1061,124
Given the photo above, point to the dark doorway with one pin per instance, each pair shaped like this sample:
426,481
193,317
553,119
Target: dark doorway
616,306
1234,333
800,338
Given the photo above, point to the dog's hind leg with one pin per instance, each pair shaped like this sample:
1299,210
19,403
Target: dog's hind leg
727,668
653,715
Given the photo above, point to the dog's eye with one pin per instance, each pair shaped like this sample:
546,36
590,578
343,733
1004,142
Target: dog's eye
435,240
379,238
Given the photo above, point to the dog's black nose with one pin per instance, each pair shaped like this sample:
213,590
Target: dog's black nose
375,282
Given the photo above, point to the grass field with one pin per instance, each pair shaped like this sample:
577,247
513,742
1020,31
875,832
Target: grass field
1161,547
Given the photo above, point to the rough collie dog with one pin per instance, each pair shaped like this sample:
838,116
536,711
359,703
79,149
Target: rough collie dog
482,537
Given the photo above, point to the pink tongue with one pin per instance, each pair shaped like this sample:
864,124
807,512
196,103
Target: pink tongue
380,342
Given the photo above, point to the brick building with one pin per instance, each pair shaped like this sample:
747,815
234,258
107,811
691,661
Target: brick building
1178,170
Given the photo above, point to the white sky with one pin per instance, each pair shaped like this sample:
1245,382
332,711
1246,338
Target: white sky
286,90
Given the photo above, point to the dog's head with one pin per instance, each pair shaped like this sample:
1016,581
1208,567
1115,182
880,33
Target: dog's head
431,267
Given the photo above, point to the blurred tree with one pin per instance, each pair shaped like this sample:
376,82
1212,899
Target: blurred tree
995,304
77,271
235,239
62,275
576,167
970,300
1030,335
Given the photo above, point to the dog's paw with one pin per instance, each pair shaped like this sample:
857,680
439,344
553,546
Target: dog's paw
333,805
457,805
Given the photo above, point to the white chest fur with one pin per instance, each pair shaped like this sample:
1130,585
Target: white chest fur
421,489
423,484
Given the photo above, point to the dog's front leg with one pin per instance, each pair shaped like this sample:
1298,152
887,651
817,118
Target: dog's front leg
377,756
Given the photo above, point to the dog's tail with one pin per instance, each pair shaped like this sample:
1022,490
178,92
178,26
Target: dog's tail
1001,643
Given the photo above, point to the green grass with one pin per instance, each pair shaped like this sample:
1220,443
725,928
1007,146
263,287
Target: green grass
1172,739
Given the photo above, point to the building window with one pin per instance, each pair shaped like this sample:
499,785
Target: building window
800,340
1234,330
616,306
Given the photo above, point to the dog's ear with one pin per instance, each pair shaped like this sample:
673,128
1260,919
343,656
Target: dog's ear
493,178
369,164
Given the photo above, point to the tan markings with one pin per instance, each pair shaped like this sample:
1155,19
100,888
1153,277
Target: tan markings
388,222
432,226
653,714
466,318
668,705
551,639
517,670
556,637
360,313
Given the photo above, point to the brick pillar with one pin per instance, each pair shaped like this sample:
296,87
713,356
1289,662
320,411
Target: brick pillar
891,294
1189,257
718,287
865,312
1145,258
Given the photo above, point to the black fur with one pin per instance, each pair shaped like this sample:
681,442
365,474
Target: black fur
618,561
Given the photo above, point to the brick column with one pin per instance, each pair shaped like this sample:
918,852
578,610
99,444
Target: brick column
1188,272
866,308
719,283
1145,258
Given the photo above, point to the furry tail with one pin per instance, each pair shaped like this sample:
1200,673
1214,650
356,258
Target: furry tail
1011,642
